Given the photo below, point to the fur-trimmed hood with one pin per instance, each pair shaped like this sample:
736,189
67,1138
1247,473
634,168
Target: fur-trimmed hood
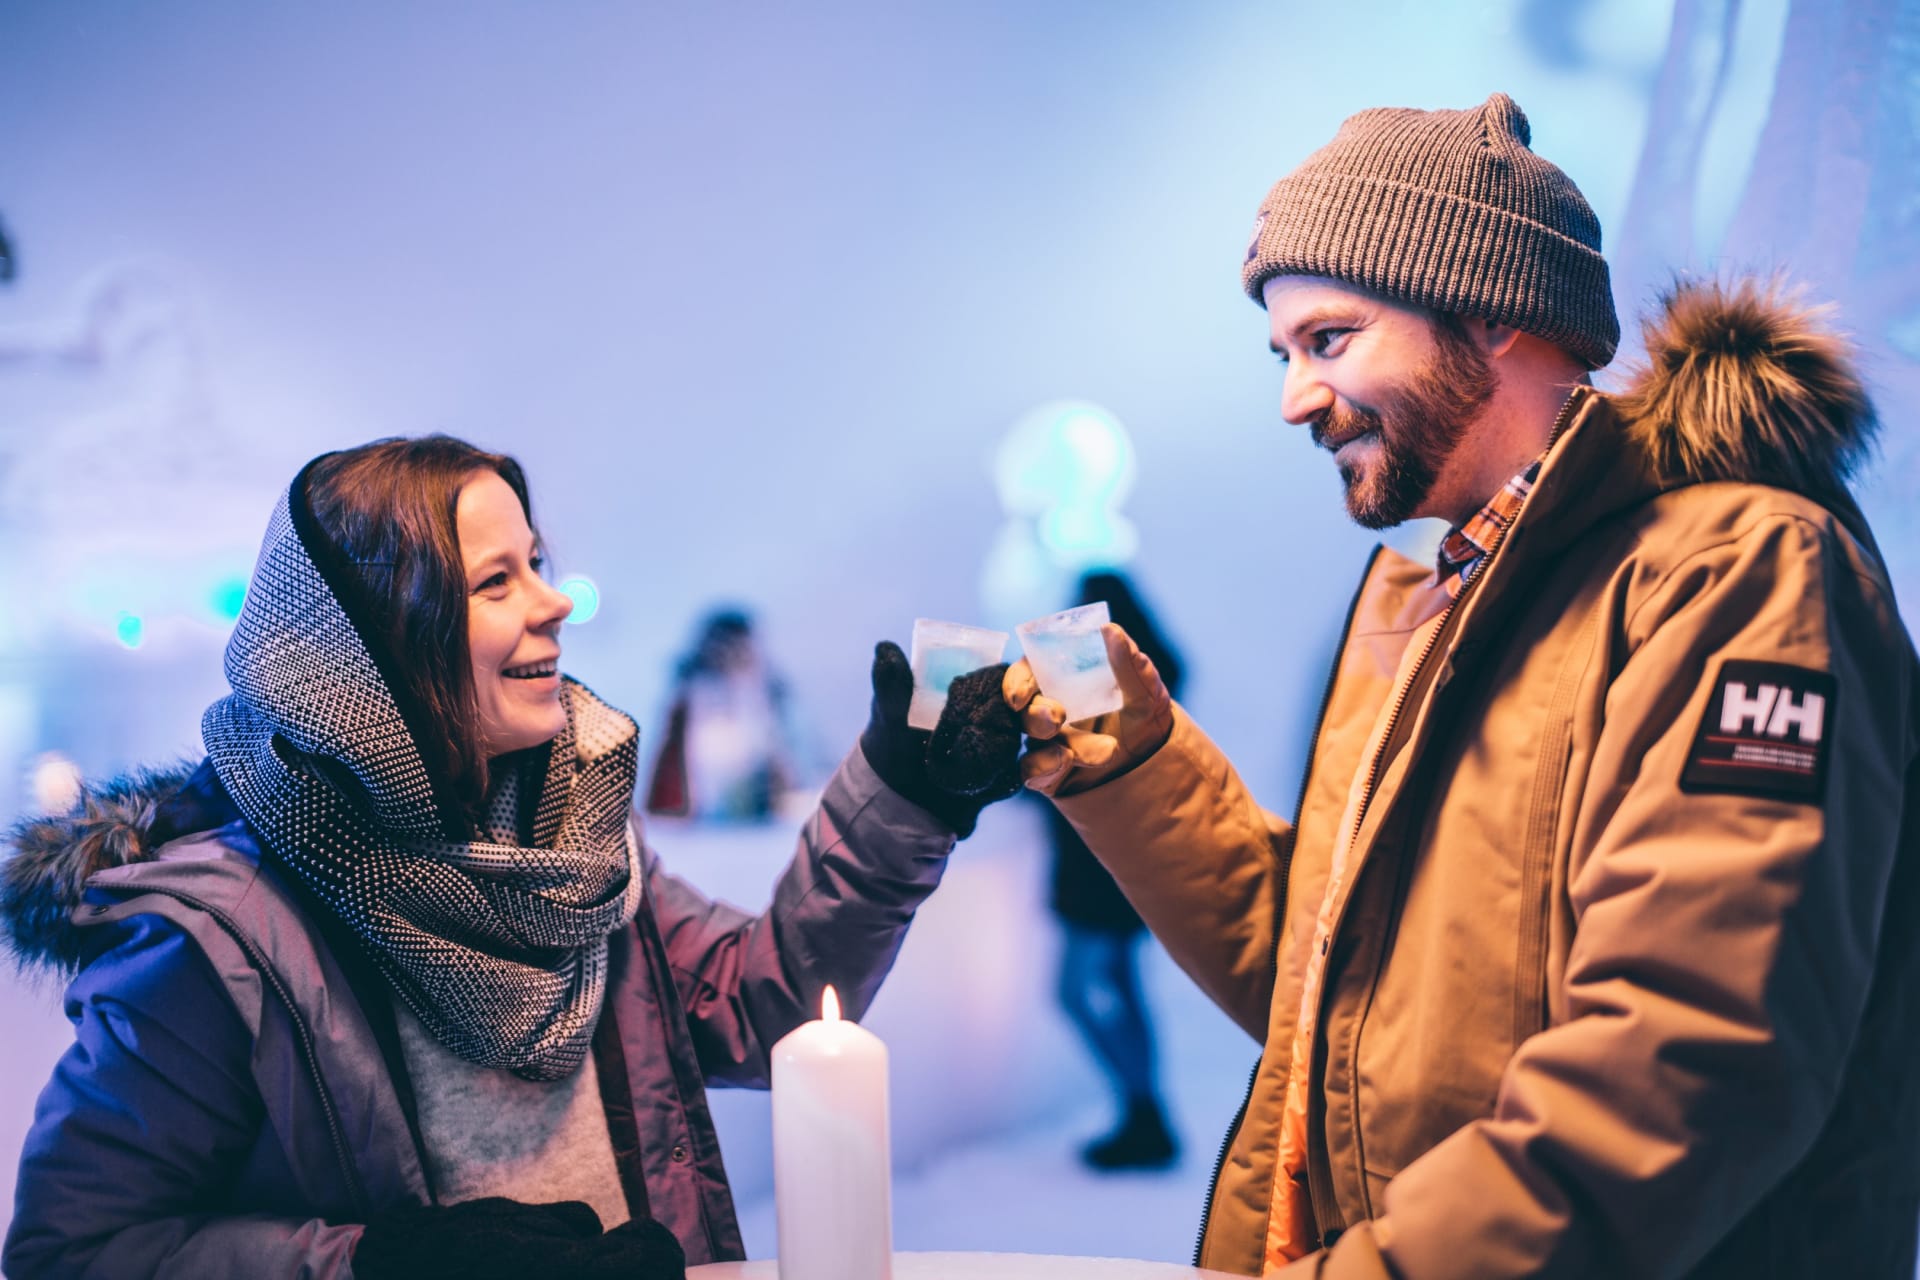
48,860
1745,381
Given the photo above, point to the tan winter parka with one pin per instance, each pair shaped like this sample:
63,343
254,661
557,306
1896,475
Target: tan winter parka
1618,985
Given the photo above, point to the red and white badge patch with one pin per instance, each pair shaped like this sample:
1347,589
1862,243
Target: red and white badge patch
1765,733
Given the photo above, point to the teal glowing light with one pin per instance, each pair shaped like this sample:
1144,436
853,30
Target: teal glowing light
129,630
585,596
1068,466
228,596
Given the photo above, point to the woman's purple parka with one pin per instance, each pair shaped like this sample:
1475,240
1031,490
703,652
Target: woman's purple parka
235,1104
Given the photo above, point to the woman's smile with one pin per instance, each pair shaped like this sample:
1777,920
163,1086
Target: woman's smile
513,619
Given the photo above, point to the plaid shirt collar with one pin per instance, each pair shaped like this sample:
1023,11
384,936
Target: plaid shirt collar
1467,547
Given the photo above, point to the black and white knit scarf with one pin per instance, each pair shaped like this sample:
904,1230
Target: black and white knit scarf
500,949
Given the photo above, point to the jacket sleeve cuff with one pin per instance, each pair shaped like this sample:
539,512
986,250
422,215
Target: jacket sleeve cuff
1187,759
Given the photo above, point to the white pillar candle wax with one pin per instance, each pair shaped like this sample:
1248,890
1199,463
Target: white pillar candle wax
832,1172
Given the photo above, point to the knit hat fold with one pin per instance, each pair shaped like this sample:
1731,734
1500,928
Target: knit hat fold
1449,210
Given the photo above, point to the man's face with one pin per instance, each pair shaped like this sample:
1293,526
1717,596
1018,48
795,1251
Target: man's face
1390,390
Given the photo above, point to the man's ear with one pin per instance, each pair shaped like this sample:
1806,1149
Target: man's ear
1494,338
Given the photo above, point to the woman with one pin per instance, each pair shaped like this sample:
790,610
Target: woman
389,986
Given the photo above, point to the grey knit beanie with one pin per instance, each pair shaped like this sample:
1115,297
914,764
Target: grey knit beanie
1448,210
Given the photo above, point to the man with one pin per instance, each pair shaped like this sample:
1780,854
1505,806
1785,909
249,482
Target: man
1588,949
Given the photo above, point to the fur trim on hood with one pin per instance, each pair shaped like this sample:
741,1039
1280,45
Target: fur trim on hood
1747,382
50,858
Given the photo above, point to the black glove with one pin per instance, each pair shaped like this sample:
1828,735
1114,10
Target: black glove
975,749
500,1239
970,760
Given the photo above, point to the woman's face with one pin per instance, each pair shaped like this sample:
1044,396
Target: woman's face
513,619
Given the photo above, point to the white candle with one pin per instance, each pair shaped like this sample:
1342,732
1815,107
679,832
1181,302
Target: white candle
832,1174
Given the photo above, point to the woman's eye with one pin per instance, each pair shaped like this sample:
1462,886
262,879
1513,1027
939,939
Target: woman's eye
497,582
538,563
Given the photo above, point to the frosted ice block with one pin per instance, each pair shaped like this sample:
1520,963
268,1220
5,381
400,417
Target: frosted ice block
943,652
1069,660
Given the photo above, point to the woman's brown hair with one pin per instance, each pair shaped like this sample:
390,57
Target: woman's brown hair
388,512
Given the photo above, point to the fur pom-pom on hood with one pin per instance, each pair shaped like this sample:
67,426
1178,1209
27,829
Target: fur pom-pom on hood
48,860
1747,382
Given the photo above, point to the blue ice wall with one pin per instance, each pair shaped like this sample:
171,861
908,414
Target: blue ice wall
754,291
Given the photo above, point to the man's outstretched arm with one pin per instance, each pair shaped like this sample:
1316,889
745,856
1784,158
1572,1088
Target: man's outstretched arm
1158,802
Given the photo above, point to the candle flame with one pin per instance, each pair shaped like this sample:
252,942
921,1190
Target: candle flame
830,1006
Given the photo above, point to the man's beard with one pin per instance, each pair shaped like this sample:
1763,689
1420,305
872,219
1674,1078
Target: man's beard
1419,425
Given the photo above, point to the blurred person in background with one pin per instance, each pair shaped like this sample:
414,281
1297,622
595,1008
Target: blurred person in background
1100,954
389,985
1590,948
729,752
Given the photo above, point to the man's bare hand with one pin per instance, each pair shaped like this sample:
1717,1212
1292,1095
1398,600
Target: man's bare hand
1062,759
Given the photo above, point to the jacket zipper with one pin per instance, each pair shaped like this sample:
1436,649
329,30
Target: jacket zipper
1352,834
1286,869
1433,641
347,1167
1447,616
1400,704
1220,1162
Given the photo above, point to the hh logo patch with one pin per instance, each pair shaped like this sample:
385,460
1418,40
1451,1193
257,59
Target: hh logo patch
1765,733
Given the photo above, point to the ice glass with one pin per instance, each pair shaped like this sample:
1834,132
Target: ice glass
1069,660
942,652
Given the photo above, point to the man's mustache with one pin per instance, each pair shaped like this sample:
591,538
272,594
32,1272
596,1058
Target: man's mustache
1341,425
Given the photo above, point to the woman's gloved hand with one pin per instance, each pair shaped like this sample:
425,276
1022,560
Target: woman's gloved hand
969,760
501,1239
